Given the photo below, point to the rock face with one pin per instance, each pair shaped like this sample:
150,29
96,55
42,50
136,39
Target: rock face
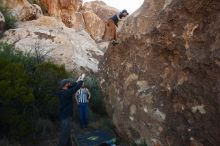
144,18
96,14
162,81
2,23
91,16
60,7
100,9
94,25
30,12
75,21
23,10
67,10
53,40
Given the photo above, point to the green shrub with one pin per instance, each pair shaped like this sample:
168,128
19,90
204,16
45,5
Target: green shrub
45,82
16,97
97,98
7,142
28,98
28,93
9,19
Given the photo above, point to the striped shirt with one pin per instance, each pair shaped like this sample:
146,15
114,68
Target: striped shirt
82,95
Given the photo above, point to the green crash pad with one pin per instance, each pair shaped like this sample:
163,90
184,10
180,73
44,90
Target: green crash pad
94,138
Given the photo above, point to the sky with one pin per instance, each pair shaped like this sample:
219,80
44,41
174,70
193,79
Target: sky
130,5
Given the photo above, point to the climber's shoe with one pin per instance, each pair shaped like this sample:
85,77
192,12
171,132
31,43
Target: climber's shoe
115,42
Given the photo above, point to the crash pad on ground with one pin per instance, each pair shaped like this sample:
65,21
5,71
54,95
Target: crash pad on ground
94,138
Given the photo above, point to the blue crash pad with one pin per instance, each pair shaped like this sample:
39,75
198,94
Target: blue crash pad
94,138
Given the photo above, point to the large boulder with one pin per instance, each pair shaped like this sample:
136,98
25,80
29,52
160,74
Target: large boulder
144,18
100,8
2,23
58,7
162,81
50,38
94,25
75,20
67,10
104,12
30,12
23,10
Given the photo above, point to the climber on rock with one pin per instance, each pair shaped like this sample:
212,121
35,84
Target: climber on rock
82,98
65,93
112,24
